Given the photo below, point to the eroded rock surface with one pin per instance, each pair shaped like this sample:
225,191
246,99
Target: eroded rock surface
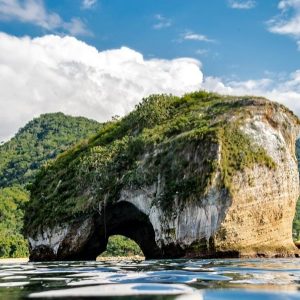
197,176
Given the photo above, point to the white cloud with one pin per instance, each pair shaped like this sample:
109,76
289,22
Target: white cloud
35,12
288,22
161,22
88,4
196,37
242,4
53,73
285,91
285,4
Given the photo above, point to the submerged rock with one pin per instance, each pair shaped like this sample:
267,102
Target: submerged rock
199,176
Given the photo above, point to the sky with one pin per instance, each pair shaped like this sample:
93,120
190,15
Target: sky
99,58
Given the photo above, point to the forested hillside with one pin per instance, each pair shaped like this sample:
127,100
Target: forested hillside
12,202
41,140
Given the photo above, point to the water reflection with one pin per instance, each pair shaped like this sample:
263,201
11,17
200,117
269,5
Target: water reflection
157,279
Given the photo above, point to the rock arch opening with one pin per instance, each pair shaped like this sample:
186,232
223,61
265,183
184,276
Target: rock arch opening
121,246
124,219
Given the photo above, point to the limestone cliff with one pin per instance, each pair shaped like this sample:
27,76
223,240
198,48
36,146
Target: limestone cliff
199,176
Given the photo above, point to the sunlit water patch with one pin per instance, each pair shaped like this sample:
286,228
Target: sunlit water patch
156,279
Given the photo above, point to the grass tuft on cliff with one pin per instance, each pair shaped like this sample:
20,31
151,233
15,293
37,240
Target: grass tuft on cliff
153,143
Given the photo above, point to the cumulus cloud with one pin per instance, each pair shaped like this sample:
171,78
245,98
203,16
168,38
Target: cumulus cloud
52,73
35,12
285,90
242,4
161,22
288,22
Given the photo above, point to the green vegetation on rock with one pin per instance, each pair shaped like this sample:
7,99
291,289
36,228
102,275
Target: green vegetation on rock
119,245
238,153
153,143
40,141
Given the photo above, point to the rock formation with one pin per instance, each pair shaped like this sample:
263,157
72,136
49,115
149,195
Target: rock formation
203,175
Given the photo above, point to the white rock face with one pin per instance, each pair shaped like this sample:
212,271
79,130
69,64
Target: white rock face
194,222
267,137
51,238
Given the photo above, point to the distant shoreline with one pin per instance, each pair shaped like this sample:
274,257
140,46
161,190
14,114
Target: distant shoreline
100,258
13,260
108,258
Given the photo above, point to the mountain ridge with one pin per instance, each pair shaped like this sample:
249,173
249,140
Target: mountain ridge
40,140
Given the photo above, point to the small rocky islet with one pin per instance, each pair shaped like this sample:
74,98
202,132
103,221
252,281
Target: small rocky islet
202,175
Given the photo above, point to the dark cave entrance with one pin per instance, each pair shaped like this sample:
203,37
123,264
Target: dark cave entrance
124,219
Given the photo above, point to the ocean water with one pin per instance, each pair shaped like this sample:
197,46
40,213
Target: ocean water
209,279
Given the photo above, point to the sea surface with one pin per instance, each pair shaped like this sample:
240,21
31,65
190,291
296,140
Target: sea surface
155,279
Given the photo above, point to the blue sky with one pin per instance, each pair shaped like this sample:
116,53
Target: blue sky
228,46
242,45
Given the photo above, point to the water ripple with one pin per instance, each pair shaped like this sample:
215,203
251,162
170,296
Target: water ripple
259,279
